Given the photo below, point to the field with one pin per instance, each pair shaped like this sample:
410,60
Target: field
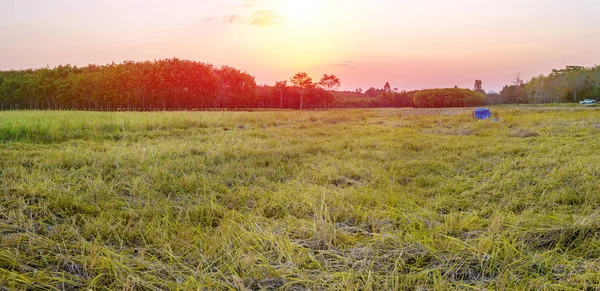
395,199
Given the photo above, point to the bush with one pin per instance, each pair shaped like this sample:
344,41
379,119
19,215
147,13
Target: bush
451,97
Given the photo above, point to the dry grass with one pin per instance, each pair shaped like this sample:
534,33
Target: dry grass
323,200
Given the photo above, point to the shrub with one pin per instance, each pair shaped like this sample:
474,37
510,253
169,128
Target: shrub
451,97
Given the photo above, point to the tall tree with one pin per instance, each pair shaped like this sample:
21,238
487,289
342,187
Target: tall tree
330,82
387,87
518,82
478,87
303,81
575,78
281,86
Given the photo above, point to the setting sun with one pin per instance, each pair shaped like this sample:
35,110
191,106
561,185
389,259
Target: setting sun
302,13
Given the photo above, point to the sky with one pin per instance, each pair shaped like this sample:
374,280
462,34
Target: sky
411,44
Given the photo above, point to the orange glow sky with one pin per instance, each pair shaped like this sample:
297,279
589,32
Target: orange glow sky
411,44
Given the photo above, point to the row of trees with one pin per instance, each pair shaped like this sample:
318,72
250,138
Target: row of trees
174,84
571,84
427,98
170,84
373,98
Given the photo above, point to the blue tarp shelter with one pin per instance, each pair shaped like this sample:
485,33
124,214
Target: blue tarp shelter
483,113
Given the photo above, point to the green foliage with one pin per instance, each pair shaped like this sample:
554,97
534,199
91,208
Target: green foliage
451,97
572,84
596,93
512,94
493,98
396,99
383,100
171,84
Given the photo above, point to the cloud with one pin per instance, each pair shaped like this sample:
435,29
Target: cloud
244,5
250,12
266,18
347,64
233,18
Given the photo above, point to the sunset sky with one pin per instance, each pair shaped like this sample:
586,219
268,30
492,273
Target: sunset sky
411,44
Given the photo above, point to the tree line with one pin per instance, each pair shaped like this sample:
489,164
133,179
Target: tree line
568,85
571,84
170,84
426,98
174,84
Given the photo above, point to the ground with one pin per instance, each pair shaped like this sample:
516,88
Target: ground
381,199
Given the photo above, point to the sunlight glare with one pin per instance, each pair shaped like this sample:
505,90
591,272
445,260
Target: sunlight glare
301,13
